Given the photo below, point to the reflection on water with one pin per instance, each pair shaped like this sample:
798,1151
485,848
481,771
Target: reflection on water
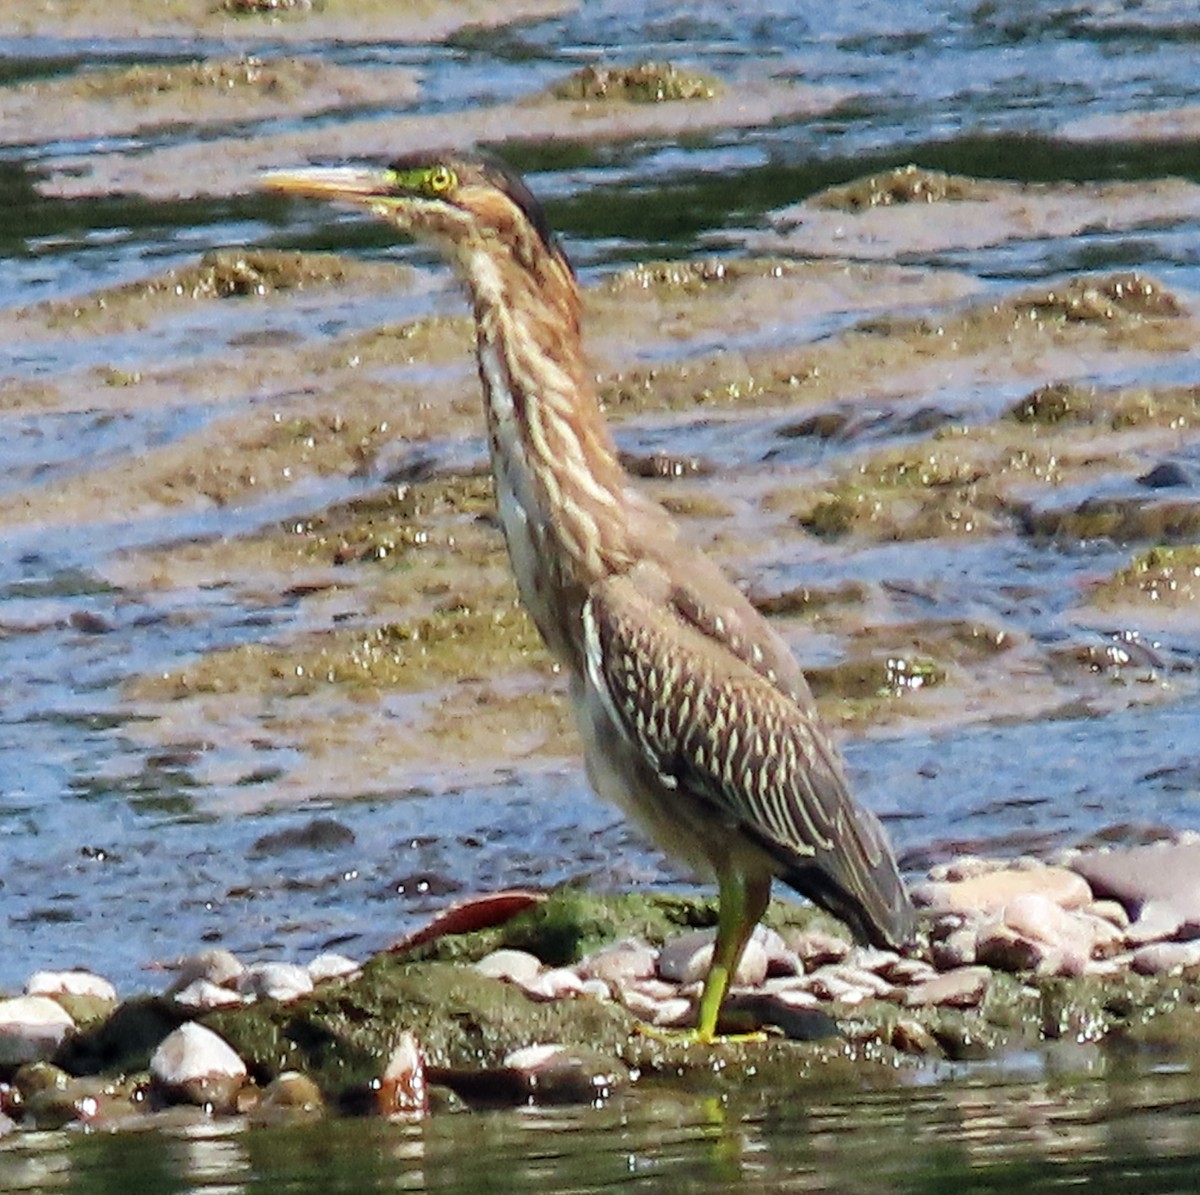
1132,1134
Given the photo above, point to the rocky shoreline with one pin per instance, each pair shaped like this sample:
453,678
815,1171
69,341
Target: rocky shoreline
526,997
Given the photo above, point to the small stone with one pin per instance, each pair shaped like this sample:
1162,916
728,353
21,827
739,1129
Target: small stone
193,1065
668,1012
867,981
966,867
1110,910
1159,885
328,966
31,1029
781,958
1107,940
990,892
205,996
1006,949
869,958
289,1095
827,985
1168,474
403,1091
911,1037
89,1100
1037,917
1157,920
275,981
961,988
815,948
554,1074
218,966
619,963
793,989
70,983
597,989
956,950
797,1015
655,989
687,958
34,1077
1166,958
513,966
906,971
559,983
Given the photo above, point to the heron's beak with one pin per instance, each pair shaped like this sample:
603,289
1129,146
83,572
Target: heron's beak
350,184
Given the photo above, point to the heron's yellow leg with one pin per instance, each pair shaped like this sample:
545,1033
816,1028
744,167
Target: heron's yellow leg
741,901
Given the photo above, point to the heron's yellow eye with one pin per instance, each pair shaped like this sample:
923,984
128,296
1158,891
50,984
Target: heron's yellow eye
440,180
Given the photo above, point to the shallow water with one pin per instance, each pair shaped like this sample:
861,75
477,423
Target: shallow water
115,852
91,816
1120,1133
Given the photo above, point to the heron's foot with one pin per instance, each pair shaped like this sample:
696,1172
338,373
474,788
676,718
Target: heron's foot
694,1037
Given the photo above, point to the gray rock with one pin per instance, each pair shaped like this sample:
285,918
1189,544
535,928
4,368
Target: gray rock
1157,885
686,958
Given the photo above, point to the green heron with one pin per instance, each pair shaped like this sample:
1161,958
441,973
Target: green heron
695,717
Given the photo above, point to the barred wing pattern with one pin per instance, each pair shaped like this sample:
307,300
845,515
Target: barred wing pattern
718,732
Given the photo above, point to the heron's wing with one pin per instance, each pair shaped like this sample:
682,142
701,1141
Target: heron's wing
711,725
701,595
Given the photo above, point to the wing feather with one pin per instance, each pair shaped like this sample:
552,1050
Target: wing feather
714,727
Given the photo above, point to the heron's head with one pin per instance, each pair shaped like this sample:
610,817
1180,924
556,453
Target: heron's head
464,204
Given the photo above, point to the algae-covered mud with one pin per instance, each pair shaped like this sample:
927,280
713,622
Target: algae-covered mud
896,308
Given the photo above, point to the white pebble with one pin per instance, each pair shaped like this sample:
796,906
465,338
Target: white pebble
192,1051
70,983
275,981
31,1028
515,966
331,966
203,995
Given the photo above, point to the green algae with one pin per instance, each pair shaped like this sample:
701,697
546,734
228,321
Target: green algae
390,523
219,274
280,79
1168,577
904,184
870,677
1072,403
642,83
448,645
1121,520
343,1034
